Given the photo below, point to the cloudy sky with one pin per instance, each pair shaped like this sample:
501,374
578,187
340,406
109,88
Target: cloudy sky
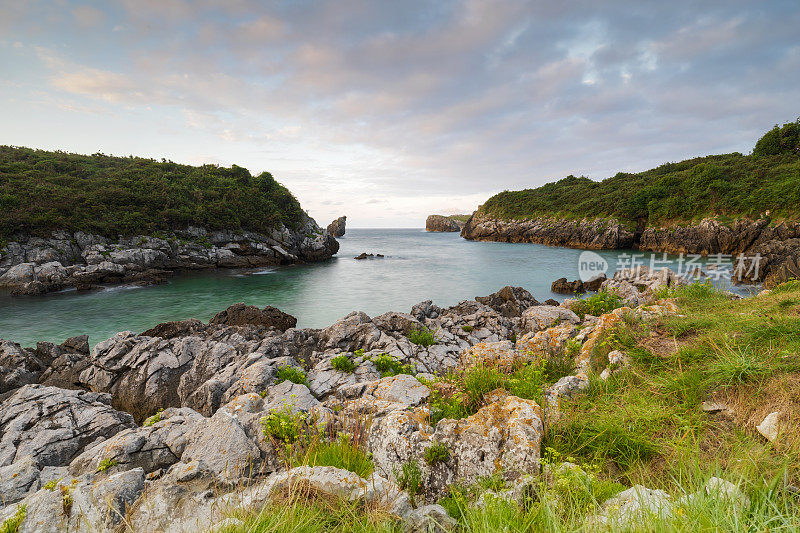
388,111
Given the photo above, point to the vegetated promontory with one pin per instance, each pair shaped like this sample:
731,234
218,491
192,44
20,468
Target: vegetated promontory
59,210
728,204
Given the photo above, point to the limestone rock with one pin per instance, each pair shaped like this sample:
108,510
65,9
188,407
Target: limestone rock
337,227
544,316
249,315
54,425
770,426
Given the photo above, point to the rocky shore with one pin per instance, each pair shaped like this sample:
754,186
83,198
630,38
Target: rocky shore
34,265
165,430
777,244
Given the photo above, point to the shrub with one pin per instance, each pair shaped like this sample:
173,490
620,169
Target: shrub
284,425
105,464
466,328
437,453
422,336
343,363
290,373
389,366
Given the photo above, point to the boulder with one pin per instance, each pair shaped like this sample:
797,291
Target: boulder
562,286
17,480
18,366
541,317
249,315
54,425
509,301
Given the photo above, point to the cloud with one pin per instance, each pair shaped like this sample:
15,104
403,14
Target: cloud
353,102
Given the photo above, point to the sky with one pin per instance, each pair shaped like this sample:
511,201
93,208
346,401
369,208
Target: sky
388,111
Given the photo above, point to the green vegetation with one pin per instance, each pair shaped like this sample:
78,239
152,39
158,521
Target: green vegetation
290,373
437,453
158,417
13,523
343,363
284,425
730,185
389,366
105,464
409,479
343,452
466,328
459,218
597,304
42,191
422,336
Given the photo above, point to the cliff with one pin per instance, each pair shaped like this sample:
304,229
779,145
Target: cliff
441,223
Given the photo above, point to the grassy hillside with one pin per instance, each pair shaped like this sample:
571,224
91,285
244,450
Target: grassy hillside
731,185
42,191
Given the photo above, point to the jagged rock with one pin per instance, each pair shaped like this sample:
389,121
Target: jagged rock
78,344
151,448
249,315
17,480
54,425
509,301
440,223
562,286
290,395
176,328
18,366
337,227
541,317
551,341
89,504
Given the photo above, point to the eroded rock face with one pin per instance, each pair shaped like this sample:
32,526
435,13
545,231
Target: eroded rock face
441,223
32,265
541,317
509,301
54,425
337,227
249,315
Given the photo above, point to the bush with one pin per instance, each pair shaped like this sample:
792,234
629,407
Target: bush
422,337
44,191
284,425
597,304
343,363
466,328
290,373
437,453
389,366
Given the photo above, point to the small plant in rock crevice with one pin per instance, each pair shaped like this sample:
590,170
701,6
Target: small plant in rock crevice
437,453
290,373
105,464
422,336
409,479
467,328
158,417
13,523
343,363
284,425
389,366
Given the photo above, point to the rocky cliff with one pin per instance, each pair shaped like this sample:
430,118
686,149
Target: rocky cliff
35,265
337,227
777,244
441,223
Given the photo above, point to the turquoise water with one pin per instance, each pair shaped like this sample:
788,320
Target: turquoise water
418,266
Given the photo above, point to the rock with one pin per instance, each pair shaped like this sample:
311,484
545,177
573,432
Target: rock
404,390
595,282
633,506
87,504
153,447
337,227
248,315
17,480
562,286
770,426
177,328
509,301
541,317
440,223
432,518
18,366
78,344
54,425
290,395
365,255
725,490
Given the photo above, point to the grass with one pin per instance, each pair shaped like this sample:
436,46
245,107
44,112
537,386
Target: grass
343,452
409,479
437,453
597,304
422,337
291,373
13,523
